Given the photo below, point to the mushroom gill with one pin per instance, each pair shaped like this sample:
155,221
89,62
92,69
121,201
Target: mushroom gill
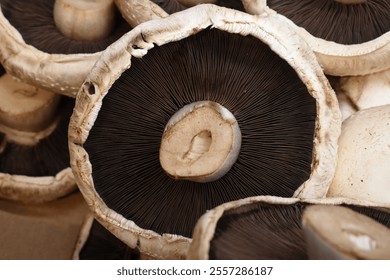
34,122
267,228
273,109
34,153
57,26
344,22
221,98
100,244
173,6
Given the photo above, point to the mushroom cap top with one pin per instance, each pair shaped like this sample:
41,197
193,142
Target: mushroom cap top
117,58
363,158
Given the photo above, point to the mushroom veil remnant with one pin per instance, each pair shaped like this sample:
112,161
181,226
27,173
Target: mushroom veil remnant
180,116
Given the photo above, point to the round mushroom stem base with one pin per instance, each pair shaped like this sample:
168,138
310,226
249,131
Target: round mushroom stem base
27,113
85,20
200,143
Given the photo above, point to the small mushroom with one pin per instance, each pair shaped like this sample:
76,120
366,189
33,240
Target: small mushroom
52,44
363,157
156,131
267,227
336,232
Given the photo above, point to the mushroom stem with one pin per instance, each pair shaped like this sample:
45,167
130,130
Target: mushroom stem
351,1
84,20
25,110
190,3
201,142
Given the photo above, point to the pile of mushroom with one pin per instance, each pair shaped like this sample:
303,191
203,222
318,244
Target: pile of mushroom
187,125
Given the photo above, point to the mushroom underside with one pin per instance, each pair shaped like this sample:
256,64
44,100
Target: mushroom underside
34,20
335,21
273,108
260,231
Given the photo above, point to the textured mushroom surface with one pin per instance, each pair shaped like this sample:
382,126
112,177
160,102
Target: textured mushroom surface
34,154
335,232
34,21
332,20
34,50
277,95
173,6
363,159
100,244
275,113
263,228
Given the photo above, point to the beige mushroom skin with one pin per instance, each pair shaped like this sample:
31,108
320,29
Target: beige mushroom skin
27,113
339,59
367,91
27,189
364,157
200,143
335,232
205,227
117,58
84,20
139,11
49,71
190,3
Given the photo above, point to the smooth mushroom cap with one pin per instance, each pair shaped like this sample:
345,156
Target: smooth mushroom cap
363,157
367,91
87,118
336,232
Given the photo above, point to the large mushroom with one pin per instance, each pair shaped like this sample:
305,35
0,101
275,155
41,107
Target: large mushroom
267,227
179,116
54,44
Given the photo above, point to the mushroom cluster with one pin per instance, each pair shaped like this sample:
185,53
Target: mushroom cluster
202,129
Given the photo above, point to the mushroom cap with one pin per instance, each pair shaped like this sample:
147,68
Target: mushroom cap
363,157
117,58
340,59
367,91
61,73
336,232
208,226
